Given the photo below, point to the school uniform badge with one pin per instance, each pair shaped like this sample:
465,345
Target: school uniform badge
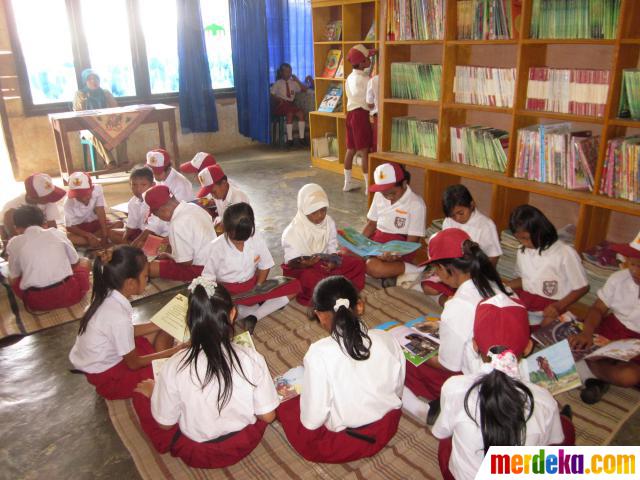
550,287
400,222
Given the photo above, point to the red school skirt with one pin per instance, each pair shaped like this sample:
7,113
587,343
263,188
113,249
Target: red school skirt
217,453
93,226
353,268
291,288
119,381
614,329
174,271
533,302
425,380
382,237
324,446
63,294
285,107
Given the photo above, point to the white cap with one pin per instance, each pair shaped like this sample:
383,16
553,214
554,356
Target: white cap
158,158
79,184
386,176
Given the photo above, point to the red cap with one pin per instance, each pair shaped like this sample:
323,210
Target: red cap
386,176
207,178
359,53
158,159
501,321
80,185
447,244
200,161
157,196
40,188
630,250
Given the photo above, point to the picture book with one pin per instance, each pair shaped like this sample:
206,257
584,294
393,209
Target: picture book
418,338
563,328
331,63
153,246
349,238
340,70
621,350
332,99
371,34
553,368
333,31
289,384
172,318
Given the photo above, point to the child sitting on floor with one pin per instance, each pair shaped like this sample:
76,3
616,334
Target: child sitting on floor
85,214
550,275
114,354
310,246
199,162
349,407
46,271
211,403
215,183
159,161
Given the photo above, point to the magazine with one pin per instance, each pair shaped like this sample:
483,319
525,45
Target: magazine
289,384
418,345
331,63
552,368
353,240
332,99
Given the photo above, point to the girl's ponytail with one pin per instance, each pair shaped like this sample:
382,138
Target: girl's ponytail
481,270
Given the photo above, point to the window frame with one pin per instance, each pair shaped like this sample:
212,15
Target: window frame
81,60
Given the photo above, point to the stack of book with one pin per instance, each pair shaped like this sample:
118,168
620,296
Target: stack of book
479,146
579,92
630,94
484,85
415,19
552,153
621,172
487,19
593,19
414,136
416,81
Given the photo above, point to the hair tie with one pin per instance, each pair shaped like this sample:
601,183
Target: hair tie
208,284
341,302
506,362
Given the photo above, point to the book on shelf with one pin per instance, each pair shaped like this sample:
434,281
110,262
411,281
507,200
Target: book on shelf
581,19
289,384
333,31
484,85
419,338
621,171
552,368
575,91
416,81
487,19
371,33
552,153
415,19
332,100
331,63
340,70
479,146
325,147
414,136
362,246
630,94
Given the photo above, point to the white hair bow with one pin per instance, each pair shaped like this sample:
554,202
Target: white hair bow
208,284
341,302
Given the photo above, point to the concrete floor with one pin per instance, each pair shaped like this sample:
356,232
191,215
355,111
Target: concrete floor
54,425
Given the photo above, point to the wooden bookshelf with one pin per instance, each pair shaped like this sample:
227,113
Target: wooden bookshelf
357,17
593,214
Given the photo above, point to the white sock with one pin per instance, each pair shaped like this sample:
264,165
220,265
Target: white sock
366,183
289,131
246,310
270,306
414,406
584,371
301,126
347,176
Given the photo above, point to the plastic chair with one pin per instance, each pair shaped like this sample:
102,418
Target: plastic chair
86,143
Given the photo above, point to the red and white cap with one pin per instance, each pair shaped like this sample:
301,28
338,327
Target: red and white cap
80,185
200,161
630,250
359,53
447,244
207,178
501,321
40,188
386,176
158,159
157,196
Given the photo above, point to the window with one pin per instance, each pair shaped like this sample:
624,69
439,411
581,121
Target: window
131,44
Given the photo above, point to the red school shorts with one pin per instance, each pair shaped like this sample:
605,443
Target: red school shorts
174,271
94,226
426,381
359,135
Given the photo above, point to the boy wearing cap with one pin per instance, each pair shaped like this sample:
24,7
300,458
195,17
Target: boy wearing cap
85,215
190,232
359,133
39,190
214,182
616,316
159,161
199,162
61,280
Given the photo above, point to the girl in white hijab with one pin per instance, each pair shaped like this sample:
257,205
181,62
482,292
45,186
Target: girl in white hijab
311,247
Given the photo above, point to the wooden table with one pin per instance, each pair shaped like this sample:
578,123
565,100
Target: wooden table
64,123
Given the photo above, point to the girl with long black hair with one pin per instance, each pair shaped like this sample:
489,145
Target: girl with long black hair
114,354
350,403
211,403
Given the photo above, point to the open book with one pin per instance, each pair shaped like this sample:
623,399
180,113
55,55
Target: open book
552,368
172,318
419,338
289,384
350,238
153,246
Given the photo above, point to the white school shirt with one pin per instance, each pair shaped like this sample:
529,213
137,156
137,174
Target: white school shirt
340,392
481,229
372,94
554,273
290,251
234,195
179,398
226,263
42,256
355,88
179,186
190,232
543,428
139,217
50,210
279,89
407,216
76,212
109,336
622,296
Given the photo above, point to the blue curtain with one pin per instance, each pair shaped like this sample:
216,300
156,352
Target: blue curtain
197,102
250,67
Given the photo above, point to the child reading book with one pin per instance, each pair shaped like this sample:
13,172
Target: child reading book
159,161
214,183
199,162
210,404
349,407
495,406
283,92
114,354
310,246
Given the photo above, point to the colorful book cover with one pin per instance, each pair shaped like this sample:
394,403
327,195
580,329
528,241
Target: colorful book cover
153,246
362,246
553,368
332,99
289,384
333,31
340,70
331,63
417,344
